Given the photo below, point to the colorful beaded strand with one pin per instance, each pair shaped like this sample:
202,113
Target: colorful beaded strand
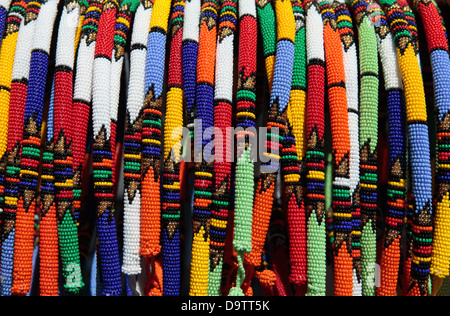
292,157
133,140
30,151
396,191
62,147
419,153
261,214
151,143
368,73
315,153
171,195
48,223
4,10
203,174
337,98
436,37
346,31
82,96
246,138
223,100
108,249
11,164
125,13
277,119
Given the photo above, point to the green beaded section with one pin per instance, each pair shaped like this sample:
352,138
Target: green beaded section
69,252
368,259
267,23
317,252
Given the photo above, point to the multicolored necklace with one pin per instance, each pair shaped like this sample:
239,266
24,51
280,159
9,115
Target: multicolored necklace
103,164
11,165
151,143
263,201
245,119
30,151
315,152
396,197
133,140
340,134
346,32
173,163
203,170
223,100
436,37
419,153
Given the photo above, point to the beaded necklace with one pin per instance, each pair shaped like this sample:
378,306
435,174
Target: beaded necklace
191,35
279,99
171,205
108,251
125,14
396,197
315,154
223,99
82,95
346,31
337,97
48,224
292,156
132,140
419,147
436,36
13,22
203,174
62,147
30,151
151,142
368,142
262,205
245,119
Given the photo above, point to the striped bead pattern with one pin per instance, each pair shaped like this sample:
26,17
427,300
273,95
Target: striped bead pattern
337,98
315,151
419,154
31,150
171,194
133,140
396,194
223,100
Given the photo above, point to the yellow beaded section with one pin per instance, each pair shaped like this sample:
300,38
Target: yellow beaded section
296,113
286,28
7,53
200,264
441,242
172,136
160,14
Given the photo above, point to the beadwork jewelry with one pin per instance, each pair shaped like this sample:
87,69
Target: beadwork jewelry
62,148
419,147
171,196
279,99
30,151
245,119
12,27
292,156
337,98
223,100
108,249
262,205
436,37
346,32
396,197
315,153
82,96
151,142
203,170
125,13
368,73
133,140
4,9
